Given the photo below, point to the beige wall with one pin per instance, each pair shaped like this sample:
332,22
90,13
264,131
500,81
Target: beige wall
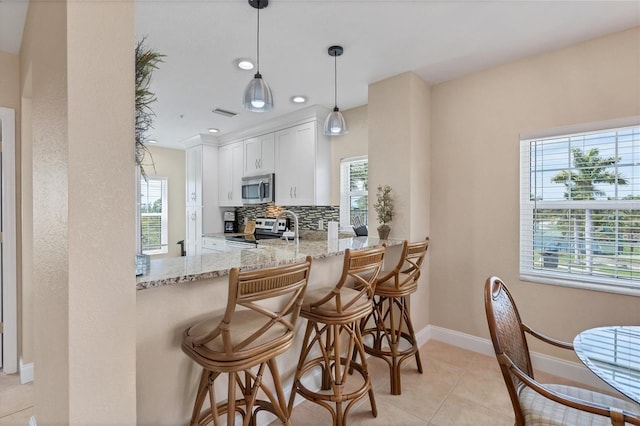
170,163
10,81
398,114
83,279
353,144
476,123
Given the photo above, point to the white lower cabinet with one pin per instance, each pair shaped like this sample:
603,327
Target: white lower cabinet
213,245
302,167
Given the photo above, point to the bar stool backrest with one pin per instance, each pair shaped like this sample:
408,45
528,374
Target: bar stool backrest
262,307
409,266
360,271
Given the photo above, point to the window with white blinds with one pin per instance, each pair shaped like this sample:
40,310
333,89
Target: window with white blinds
580,210
354,189
154,215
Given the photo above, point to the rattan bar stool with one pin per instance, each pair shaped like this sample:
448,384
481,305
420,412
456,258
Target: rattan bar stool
332,341
246,339
388,332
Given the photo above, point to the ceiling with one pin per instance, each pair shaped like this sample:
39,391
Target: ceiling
438,40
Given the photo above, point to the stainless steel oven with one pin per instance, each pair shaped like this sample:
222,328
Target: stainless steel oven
258,189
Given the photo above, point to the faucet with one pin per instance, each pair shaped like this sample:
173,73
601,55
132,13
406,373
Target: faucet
283,213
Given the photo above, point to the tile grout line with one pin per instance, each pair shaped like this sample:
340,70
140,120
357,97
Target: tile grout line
444,400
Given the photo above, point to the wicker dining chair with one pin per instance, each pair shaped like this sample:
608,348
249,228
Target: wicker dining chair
333,316
246,339
535,403
387,332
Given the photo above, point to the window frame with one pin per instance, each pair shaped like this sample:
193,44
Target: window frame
164,215
346,193
528,206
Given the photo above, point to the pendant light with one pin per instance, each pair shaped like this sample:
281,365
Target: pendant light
257,96
335,125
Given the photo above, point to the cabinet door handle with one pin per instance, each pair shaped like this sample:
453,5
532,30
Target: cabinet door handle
260,162
291,191
193,216
295,194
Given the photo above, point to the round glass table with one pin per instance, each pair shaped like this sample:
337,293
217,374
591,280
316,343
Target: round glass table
613,354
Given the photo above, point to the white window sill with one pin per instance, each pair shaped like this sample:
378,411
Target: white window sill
164,250
628,289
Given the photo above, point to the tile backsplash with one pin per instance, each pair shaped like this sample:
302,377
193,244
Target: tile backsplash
308,216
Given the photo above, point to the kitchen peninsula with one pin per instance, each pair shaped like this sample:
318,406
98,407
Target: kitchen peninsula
178,292
176,270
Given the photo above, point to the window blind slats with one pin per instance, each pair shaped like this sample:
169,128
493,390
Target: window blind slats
154,217
354,191
580,209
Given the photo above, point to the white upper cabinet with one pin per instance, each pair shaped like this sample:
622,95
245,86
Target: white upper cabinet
302,166
259,155
230,169
291,146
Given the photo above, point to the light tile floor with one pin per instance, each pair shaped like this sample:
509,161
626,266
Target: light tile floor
458,387
16,401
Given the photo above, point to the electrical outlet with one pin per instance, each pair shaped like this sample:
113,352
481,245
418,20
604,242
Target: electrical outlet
320,225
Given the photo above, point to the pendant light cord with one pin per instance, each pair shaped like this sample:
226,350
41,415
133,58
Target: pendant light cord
258,41
335,80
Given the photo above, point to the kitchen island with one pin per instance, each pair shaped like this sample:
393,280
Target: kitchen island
177,292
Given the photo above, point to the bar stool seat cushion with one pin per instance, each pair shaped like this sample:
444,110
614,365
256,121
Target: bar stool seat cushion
388,287
245,323
329,310
539,410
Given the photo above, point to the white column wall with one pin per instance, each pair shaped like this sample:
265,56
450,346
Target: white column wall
83,217
399,156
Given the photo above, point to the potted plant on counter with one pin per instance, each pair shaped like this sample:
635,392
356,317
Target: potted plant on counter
384,209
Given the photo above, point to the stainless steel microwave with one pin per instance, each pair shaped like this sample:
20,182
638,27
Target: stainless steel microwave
258,189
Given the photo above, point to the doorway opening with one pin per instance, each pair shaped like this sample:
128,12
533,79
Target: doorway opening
8,244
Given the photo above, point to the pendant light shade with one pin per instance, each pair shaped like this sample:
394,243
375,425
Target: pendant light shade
257,96
335,124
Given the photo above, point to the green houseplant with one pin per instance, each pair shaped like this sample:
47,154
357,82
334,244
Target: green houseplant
147,61
384,210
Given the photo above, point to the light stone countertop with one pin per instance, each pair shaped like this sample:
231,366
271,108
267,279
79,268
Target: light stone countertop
176,270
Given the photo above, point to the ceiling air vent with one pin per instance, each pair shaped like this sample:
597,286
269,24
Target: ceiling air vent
224,112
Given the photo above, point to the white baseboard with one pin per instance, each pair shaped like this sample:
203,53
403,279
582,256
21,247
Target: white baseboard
552,365
26,373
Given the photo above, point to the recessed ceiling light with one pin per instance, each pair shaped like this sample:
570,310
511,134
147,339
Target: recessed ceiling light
151,141
213,130
298,99
244,64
